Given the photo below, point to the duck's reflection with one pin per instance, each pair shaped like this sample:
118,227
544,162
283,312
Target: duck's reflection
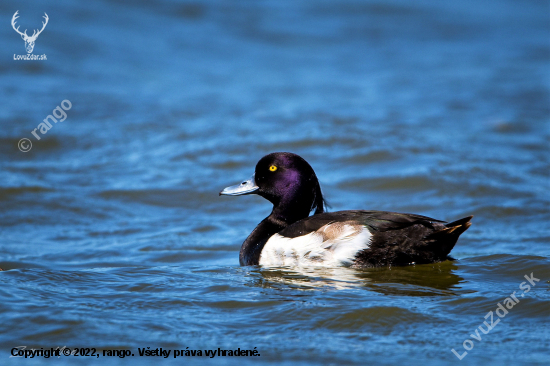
436,279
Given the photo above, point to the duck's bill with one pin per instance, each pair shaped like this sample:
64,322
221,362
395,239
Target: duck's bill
246,187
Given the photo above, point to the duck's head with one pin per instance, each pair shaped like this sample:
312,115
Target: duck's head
286,180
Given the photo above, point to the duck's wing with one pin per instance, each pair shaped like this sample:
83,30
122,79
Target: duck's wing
361,238
332,239
402,239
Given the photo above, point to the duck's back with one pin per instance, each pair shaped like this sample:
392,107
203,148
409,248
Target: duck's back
362,239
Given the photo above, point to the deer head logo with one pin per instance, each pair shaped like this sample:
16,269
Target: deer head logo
29,41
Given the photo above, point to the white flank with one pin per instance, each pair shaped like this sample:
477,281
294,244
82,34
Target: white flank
313,250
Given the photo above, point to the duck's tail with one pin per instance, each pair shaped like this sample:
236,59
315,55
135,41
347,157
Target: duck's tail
446,238
459,226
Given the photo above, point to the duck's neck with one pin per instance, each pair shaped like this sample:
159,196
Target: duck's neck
271,225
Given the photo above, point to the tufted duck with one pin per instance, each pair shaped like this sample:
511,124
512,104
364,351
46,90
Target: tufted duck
290,237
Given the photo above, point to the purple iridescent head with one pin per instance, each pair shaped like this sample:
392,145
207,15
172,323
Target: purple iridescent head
284,179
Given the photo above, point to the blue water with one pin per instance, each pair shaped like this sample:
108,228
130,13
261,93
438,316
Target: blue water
112,234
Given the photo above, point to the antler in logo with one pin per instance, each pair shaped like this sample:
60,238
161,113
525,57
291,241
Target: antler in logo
29,41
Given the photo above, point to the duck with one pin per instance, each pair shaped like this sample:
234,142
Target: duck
290,237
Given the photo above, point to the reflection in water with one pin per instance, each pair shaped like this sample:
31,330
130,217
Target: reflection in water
435,279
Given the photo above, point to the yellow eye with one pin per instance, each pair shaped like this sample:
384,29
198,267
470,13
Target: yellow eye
272,168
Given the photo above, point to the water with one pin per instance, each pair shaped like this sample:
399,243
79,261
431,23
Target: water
112,234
